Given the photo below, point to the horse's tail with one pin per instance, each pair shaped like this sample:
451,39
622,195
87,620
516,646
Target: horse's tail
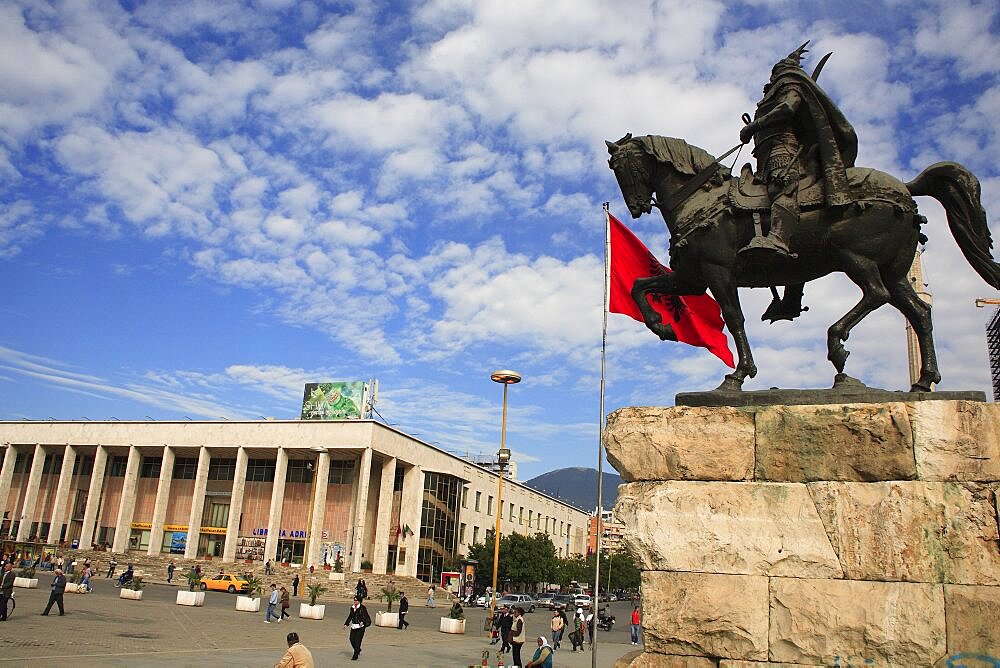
958,191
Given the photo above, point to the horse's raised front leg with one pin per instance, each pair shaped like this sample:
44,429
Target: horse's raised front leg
720,281
658,285
864,272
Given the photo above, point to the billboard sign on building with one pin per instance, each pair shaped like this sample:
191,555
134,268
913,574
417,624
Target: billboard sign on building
333,401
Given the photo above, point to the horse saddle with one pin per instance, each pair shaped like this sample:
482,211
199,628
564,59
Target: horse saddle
749,194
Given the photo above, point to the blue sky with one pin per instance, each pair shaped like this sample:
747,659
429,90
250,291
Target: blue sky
205,205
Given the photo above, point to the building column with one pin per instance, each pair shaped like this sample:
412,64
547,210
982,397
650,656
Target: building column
236,506
384,516
88,532
197,504
62,494
126,506
162,499
6,477
31,493
361,509
277,504
410,507
321,482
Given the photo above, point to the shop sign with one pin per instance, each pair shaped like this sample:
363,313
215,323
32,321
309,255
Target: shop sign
284,533
166,527
215,531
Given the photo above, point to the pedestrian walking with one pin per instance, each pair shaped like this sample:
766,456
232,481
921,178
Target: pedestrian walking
543,655
297,656
85,578
272,605
430,597
517,635
56,597
576,637
506,621
634,625
6,588
295,585
267,567
357,621
285,603
404,607
558,626
171,567
112,565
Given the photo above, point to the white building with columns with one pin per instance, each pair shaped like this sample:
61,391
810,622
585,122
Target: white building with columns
303,491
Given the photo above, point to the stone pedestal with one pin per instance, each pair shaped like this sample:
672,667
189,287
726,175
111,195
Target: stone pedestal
845,534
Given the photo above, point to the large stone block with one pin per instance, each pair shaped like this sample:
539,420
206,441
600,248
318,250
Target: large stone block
862,442
956,440
887,623
640,659
973,614
681,443
705,614
728,663
911,530
739,528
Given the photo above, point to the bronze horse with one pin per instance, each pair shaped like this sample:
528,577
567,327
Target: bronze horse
872,240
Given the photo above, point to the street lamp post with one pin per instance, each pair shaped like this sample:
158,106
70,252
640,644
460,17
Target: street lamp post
506,377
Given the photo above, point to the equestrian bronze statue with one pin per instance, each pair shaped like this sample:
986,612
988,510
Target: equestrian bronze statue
806,212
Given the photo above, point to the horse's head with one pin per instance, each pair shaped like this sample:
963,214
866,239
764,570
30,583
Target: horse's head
630,163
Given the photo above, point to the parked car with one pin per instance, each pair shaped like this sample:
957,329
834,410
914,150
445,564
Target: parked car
518,601
583,601
483,601
563,601
230,582
545,600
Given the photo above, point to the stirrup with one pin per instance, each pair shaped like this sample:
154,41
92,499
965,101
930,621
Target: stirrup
768,246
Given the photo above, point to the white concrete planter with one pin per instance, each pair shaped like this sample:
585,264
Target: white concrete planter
336,577
390,619
130,594
449,625
247,604
307,611
74,588
195,598
26,583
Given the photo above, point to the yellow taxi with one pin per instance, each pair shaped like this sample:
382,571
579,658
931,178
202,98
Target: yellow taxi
231,582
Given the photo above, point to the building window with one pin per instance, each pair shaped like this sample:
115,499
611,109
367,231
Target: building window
397,480
260,470
22,462
512,512
83,465
529,519
185,468
299,470
218,515
52,464
150,467
475,534
465,497
221,469
342,472
479,497
489,506
520,515
438,525
461,533
117,467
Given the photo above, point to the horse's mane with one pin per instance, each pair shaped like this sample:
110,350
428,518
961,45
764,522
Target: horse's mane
684,157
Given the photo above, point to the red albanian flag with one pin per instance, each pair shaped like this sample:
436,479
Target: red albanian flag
696,319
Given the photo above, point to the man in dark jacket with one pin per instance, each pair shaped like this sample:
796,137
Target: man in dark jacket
506,621
58,589
6,589
404,607
357,621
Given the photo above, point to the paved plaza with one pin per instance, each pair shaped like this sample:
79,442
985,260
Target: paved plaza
99,629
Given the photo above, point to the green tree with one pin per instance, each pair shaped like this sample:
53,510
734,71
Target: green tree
524,560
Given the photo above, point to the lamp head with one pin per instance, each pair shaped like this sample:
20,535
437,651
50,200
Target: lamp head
505,377
503,456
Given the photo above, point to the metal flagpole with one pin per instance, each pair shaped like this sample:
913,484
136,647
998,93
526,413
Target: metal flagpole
595,602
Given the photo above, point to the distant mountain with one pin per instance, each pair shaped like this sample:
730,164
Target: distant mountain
578,486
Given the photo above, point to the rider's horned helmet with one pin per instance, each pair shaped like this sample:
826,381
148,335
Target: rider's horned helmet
793,60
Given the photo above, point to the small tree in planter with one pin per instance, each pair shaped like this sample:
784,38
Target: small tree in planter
366,566
194,580
26,579
73,584
455,621
338,569
192,597
251,602
132,590
389,596
313,611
